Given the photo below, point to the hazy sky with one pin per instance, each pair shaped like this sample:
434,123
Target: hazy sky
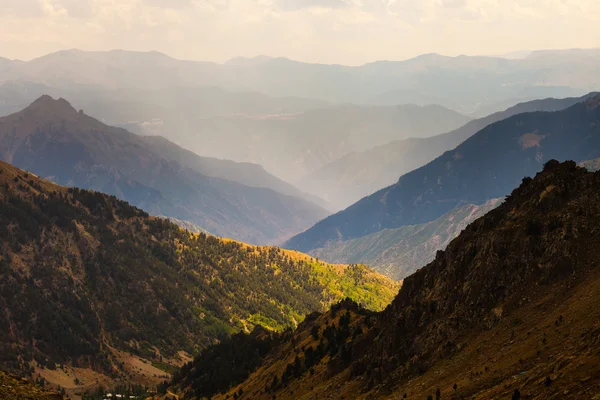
330,31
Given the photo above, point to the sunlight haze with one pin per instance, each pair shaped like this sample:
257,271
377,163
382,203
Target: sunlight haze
349,32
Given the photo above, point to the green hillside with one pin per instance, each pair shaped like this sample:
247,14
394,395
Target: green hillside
83,274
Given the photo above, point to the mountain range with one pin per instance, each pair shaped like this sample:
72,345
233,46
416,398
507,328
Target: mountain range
485,166
289,137
463,83
90,282
356,175
50,138
508,310
291,146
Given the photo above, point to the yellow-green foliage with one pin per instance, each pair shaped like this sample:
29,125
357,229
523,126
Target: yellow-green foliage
81,269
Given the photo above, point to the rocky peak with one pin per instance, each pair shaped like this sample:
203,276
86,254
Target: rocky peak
48,107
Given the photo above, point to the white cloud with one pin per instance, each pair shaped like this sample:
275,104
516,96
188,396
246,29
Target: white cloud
347,31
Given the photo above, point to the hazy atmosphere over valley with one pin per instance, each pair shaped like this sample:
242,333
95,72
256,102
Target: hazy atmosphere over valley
299,199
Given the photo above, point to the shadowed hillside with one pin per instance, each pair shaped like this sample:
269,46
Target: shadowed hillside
53,140
508,310
486,166
399,252
350,178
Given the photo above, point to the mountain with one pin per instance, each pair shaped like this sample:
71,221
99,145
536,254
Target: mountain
463,83
483,167
90,282
508,310
248,61
53,140
247,174
399,252
354,176
143,106
290,146
6,63
286,135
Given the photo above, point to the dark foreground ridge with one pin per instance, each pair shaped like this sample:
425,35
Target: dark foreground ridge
510,308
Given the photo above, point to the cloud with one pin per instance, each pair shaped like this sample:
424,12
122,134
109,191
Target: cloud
344,31
292,5
21,8
74,8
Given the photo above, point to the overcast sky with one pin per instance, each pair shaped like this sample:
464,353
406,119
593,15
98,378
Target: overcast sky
327,31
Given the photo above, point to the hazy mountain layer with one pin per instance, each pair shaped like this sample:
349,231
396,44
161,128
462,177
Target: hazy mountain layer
354,176
247,174
399,252
53,140
483,167
464,83
289,146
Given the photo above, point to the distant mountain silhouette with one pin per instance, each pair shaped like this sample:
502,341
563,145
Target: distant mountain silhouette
290,146
463,83
53,140
354,176
485,166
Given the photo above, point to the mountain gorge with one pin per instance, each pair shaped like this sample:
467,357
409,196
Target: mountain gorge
53,140
484,167
509,309
90,281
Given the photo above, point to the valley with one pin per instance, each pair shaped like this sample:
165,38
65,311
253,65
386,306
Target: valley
110,294
299,200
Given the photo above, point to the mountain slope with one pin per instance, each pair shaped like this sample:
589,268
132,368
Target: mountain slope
399,252
354,176
484,167
247,174
509,309
85,276
53,140
290,146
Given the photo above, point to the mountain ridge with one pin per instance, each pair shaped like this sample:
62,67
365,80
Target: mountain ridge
483,167
468,78
350,178
399,252
54,140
